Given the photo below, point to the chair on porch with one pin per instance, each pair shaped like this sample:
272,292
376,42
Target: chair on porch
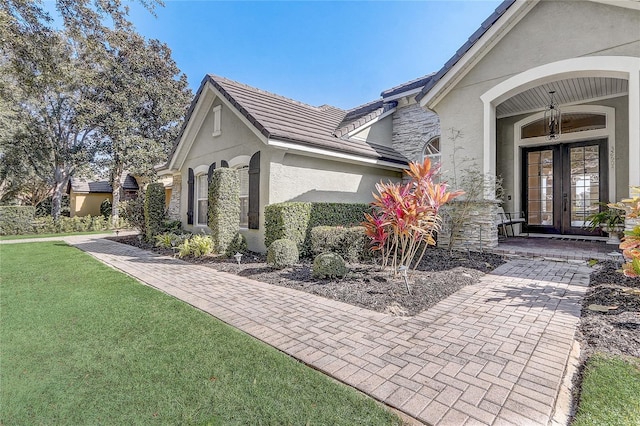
506,220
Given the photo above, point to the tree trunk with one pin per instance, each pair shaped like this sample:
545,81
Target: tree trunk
61,176
115,195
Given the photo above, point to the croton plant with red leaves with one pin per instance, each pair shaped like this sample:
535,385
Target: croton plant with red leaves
405,217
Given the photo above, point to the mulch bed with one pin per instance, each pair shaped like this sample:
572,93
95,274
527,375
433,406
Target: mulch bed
616,331
439,275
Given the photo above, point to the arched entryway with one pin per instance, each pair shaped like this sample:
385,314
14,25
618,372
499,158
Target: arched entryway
559,182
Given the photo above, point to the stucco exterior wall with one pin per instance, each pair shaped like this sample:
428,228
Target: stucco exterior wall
82,204
301,178
236,140
550,32
379,132
413,126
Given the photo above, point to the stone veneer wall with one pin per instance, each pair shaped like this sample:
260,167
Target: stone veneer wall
174,202
478,233
413,126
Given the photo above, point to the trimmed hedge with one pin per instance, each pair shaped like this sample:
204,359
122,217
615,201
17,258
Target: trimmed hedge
282,253
295,220
224,208
350,243
16,220
154,202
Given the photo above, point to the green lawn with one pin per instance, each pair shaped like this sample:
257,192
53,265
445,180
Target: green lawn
28,236
610,392
83,344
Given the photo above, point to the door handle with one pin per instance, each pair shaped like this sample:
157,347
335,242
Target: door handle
565,199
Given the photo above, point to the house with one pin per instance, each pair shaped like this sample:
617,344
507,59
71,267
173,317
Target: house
285,150
85,196
497,88
493,94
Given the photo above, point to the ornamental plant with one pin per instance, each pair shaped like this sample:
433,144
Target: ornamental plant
405,217
630,246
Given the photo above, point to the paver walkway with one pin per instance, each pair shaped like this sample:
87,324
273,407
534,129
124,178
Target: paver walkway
494,353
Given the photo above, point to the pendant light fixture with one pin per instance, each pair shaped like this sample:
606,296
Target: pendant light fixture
552,119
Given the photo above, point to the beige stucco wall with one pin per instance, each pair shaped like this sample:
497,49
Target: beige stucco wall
379,132
236,140
550,32
82,204
301,178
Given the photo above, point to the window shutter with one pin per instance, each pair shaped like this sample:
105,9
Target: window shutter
224,164
212,167
254,191
190,193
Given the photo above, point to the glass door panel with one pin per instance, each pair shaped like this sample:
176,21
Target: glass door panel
540,187
563,184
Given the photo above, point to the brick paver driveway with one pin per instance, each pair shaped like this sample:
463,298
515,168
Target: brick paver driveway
493,353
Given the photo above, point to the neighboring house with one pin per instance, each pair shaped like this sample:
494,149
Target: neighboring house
85,196
494,91
285,150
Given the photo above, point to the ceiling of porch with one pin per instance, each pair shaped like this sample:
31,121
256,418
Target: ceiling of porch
568,91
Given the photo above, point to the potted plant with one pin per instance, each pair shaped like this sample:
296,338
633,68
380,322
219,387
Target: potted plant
609,220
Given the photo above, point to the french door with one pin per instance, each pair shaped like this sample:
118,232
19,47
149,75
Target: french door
562,185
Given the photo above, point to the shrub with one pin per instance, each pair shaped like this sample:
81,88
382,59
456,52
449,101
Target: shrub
46,225
406,216
282,253
154,210
197,245
133,212
329,265
237,245
294,221
350,243
169,240
16,220
172,225
44,208
224,207
105,208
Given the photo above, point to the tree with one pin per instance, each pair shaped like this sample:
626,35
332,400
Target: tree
60,96
143,98
53,97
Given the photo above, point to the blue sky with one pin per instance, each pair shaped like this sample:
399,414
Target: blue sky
319,52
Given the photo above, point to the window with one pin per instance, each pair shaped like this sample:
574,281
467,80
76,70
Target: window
243,177
572,122
217,131
432,150
202,200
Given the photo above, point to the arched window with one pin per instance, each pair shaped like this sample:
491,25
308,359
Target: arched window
243,177
431,150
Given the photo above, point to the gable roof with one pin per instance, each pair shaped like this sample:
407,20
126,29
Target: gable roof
363,114
484,27
418,83
127,181
279,118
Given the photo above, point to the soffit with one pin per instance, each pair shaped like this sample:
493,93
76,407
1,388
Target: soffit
569,91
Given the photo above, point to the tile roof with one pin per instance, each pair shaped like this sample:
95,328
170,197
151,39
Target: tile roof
418,83
363,114
128,182
288,120
484,27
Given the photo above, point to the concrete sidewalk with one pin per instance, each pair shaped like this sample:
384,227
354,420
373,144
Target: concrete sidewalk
493,353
